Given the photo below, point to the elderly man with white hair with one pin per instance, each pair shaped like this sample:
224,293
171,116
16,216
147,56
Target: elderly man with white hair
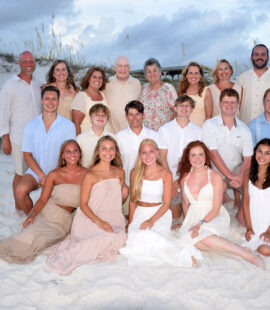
121,89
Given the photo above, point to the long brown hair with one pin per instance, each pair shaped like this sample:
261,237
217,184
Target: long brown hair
61,160
117,161
70,79
184,165
184,83
139,171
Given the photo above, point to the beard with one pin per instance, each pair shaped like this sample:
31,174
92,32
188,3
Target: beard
260,66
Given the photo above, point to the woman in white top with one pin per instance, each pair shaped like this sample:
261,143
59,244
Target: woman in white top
92,84
149,241
222,79
256,199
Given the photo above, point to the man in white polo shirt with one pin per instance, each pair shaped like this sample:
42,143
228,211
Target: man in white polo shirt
173,137
129,139
229,141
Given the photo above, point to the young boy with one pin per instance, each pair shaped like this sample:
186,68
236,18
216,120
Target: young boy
99,116
172,138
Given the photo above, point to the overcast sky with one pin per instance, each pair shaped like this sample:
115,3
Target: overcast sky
101,30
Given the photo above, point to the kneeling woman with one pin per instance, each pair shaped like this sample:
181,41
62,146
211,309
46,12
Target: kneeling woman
149,241
98,229
256,199
50,219
206,222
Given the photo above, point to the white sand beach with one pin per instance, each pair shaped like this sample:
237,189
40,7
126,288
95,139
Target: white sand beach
220,282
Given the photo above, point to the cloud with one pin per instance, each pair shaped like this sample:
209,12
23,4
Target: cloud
206,35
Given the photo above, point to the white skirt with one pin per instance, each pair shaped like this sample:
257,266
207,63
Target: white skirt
156,245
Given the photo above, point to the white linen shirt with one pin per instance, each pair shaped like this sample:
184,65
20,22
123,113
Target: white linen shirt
254,88
19,104
232,145
174,139
45,146
129,144
88,141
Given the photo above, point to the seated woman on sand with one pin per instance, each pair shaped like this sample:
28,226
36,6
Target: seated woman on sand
50,219
207,222
256,199
60,76
149,230
98,229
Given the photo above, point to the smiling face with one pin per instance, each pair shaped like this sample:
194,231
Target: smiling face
50,102
27,64
193,75
99,119
259,58
148,153
224,71
228,105
71,154
263,155
60,72
134,118
122,69
96,80
197,157
183,110
153,74
107,150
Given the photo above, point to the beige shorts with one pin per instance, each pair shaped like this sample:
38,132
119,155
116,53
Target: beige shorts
125,206
17,154
235,170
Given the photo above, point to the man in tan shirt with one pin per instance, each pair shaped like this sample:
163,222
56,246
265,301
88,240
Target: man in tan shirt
121,89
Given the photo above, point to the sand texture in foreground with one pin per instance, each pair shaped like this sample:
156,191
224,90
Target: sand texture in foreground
220,282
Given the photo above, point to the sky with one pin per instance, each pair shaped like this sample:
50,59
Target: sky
173,31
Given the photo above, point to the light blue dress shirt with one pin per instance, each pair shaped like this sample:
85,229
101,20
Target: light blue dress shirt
260,128
45,146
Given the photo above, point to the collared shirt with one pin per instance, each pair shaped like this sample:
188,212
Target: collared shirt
232,144
19,104
174,139
88,141
119,94
45,146
253,91
260,128
129,144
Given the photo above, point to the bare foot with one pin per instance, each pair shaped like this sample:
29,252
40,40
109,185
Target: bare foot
176,227
255,259
20,213
237,204
194,262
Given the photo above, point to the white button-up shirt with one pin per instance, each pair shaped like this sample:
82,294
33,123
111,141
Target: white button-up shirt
129,144
174,138
19,104
254,88
232,144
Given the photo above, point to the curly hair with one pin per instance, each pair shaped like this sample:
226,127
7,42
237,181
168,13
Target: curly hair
253,172
184,83
184,165
215,72
70,79
117,161
85,80
61,160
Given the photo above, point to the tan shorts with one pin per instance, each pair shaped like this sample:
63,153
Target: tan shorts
125,206
235,170
17,154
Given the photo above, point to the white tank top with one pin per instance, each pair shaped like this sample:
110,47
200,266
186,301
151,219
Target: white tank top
152,191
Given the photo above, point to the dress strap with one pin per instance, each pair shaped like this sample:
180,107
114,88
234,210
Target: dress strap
208,175
187,177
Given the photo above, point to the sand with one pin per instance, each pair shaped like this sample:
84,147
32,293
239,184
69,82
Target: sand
220,282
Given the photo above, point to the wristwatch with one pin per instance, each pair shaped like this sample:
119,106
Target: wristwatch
202,222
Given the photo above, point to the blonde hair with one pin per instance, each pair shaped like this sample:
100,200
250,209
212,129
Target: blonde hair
139,171
117,161
215,75
61,160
